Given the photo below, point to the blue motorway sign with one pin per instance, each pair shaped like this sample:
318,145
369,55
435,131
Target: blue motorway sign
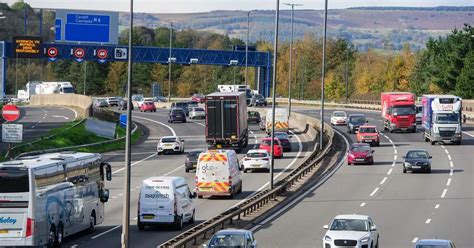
87,28
123,120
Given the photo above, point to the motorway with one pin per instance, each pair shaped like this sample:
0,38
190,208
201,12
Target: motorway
37,121
147,163
405,207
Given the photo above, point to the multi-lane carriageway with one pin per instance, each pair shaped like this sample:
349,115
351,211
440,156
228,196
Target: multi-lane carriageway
405,207
147,163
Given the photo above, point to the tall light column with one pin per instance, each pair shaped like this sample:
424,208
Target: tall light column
275,61
323,74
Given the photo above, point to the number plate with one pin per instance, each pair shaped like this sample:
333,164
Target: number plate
360,159
205,188
416,167
3,231
148,217
219,146
194,165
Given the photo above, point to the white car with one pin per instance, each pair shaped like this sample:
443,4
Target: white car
197,112
352,230
338,118
170,144
145,100
256,160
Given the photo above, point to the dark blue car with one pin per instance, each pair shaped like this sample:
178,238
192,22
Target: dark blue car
417,160
177,114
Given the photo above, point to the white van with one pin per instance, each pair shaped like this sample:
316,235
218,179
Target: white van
281,120
165,200
218,173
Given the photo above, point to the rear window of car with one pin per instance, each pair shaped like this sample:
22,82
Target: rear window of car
198,109
168,140
177,112
181,104
339,114
367,130
268,142
194,154
253,113
256,155
360,148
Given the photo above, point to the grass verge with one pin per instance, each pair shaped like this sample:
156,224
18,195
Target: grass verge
78,135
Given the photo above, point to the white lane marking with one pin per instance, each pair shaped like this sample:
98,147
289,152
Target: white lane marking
113,197
394,149
444,193
362,204
468,134
451,172
310,190
449,182
389,172
442,146
300,149
173,171
159,123
136,218
437,206
74,246
59,116
375,191
395,157
414,240
140,161
449,157
120,195
383,180
103,233
428,221
451,164
255,138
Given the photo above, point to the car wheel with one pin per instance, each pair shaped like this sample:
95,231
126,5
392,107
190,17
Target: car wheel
377,245
433,143
193,218
240,188
186,170
179,223
428,170
51,237
404,169
200,196
141,226
348,163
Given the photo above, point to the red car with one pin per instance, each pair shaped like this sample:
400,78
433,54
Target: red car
199,98
266,144
368,134
360,153
148,106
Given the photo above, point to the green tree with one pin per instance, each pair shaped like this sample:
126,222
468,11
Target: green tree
465,85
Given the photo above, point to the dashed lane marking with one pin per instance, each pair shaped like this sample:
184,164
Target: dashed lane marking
449,182
414,240
374,192
383,180
444,193
428,221
362,204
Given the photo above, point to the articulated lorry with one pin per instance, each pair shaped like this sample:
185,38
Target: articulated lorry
398,111
442,119
226,120
40,88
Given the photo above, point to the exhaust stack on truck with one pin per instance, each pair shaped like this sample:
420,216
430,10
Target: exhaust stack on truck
398,111
442,118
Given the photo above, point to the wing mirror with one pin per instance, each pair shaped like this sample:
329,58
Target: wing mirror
182,140
373,228
430,156
104,195
108,171
373,151
241,167
326,227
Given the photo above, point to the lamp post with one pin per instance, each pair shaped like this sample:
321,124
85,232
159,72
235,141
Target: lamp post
323,75
247,50
169,62
275,61
128,146
291,54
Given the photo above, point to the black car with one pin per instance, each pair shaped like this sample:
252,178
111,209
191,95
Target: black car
122,105
417,160
191,160
258,100
181,105
354,122
177,114
284,140
253,117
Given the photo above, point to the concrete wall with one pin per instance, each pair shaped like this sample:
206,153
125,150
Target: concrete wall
82,104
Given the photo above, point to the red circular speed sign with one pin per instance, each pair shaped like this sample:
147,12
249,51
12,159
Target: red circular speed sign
10,112
79,53
102,53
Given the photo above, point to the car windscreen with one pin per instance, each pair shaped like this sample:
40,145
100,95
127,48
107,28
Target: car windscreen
357,119
404,110
68,90
253,113
168,140
260,97
367,130
339,114
447,118
256,154
349,225
227,241
360,148
417,155
199,109
14,180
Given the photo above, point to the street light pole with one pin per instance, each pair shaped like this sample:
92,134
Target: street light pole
128,146
321,135
169,63
275,61
247,50
291,54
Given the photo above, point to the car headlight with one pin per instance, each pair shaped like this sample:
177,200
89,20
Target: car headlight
365,239
327,238
407,164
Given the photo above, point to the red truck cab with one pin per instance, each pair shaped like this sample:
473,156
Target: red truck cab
398,111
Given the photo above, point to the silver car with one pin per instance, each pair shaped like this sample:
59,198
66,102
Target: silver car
352,230
197,112
232,238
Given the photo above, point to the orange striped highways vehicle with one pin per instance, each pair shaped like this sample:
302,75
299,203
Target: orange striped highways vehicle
218,173
281,120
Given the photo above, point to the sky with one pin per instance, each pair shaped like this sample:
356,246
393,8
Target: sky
187,6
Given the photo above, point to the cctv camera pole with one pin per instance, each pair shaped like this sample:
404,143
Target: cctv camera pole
169,63
128,147
247,50
275,60
321,135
